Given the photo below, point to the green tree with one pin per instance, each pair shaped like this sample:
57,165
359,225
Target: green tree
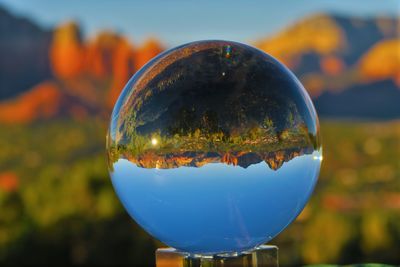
269,125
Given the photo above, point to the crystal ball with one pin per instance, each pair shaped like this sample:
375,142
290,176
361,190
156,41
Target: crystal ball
213,147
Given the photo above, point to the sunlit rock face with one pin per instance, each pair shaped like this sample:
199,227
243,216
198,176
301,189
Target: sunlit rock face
213,147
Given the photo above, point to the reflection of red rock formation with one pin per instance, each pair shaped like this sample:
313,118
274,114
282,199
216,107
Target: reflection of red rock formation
66,52
274,159
277,161
229,159
9,181
42,101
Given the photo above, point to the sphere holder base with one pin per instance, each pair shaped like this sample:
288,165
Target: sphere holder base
262,256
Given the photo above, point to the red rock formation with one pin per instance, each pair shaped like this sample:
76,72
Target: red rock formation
90,76
111,57
151,48
318,34
66,52
382,61
100,52
123,69
42,101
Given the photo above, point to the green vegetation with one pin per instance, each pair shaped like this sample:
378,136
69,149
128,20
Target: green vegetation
65,210
183,137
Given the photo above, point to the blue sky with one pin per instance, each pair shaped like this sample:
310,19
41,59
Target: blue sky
178,21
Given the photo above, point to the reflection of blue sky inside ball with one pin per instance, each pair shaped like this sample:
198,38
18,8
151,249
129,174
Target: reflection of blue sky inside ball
217,207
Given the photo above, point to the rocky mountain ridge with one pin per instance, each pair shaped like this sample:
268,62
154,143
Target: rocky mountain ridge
333,56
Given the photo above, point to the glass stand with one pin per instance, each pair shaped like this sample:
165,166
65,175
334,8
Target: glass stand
262,256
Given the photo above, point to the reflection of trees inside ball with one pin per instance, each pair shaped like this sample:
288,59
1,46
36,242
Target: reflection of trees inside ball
204,115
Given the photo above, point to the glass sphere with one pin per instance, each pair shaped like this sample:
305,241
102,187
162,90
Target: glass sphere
213,147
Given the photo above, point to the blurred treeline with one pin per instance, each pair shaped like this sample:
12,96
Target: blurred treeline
57,203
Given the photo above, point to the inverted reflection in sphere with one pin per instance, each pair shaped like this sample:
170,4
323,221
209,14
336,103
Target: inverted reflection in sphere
214,147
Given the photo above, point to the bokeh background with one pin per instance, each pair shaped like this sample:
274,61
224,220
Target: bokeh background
64,63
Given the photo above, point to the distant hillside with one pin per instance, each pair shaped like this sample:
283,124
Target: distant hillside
24,54
324,35
79,78
350,66
340,60
377,100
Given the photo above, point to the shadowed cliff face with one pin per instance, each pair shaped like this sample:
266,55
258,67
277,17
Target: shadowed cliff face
212,101
24,55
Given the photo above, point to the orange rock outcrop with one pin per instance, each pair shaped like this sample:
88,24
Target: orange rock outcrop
42,101
67,52
319,34
382,61
151,48
88,76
